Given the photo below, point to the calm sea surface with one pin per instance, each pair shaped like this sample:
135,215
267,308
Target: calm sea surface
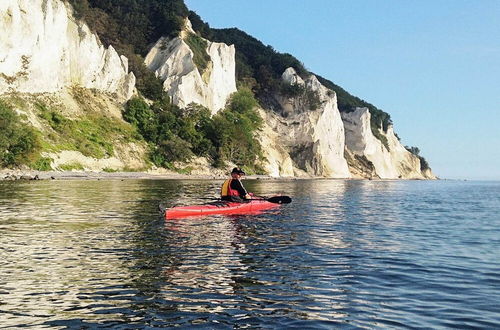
353,254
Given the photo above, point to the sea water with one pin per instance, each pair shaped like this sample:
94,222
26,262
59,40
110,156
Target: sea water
344,253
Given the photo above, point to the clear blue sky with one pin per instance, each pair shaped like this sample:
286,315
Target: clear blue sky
433,65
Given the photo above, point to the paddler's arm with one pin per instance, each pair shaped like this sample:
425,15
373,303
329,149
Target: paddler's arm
237,185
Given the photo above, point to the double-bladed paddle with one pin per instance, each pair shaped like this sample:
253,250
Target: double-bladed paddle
276,199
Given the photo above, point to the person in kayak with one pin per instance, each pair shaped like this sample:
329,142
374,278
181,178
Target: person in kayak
233,190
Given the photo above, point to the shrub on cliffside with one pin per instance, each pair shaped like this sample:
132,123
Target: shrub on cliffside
138,113
171,133
310,99
19,142
424,165
195,128
199,48
234,131
177,135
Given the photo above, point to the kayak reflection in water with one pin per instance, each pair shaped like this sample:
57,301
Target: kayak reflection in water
233,190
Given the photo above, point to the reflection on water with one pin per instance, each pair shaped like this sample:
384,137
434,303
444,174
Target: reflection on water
344,253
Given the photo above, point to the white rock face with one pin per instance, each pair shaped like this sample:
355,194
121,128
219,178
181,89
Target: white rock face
314,138
394,163
278,162
43,49
172,61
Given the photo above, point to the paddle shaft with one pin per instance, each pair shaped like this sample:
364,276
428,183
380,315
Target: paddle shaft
274,199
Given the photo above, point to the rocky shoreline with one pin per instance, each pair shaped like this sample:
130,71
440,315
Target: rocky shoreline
13,175
29,175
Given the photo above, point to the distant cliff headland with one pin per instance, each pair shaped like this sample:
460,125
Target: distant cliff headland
127,85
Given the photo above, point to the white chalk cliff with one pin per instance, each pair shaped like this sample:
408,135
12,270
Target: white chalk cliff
172,60
389,163
49,59
313,137
44,49
300,141
278,162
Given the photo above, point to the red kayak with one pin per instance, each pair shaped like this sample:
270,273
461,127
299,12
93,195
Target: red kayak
223,207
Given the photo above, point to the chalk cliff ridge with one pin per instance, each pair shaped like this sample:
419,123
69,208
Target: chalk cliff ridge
300,141
313,134
44,49
56,74
387,162
173,61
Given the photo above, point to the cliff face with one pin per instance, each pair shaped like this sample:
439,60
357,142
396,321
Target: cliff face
278,162
388,163
323,142
313,137
57,74
43,49
173,61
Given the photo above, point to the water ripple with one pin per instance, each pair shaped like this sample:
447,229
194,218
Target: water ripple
355,254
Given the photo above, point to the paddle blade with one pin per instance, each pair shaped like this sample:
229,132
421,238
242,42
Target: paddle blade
280,200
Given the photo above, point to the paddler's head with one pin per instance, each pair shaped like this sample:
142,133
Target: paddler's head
237,173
